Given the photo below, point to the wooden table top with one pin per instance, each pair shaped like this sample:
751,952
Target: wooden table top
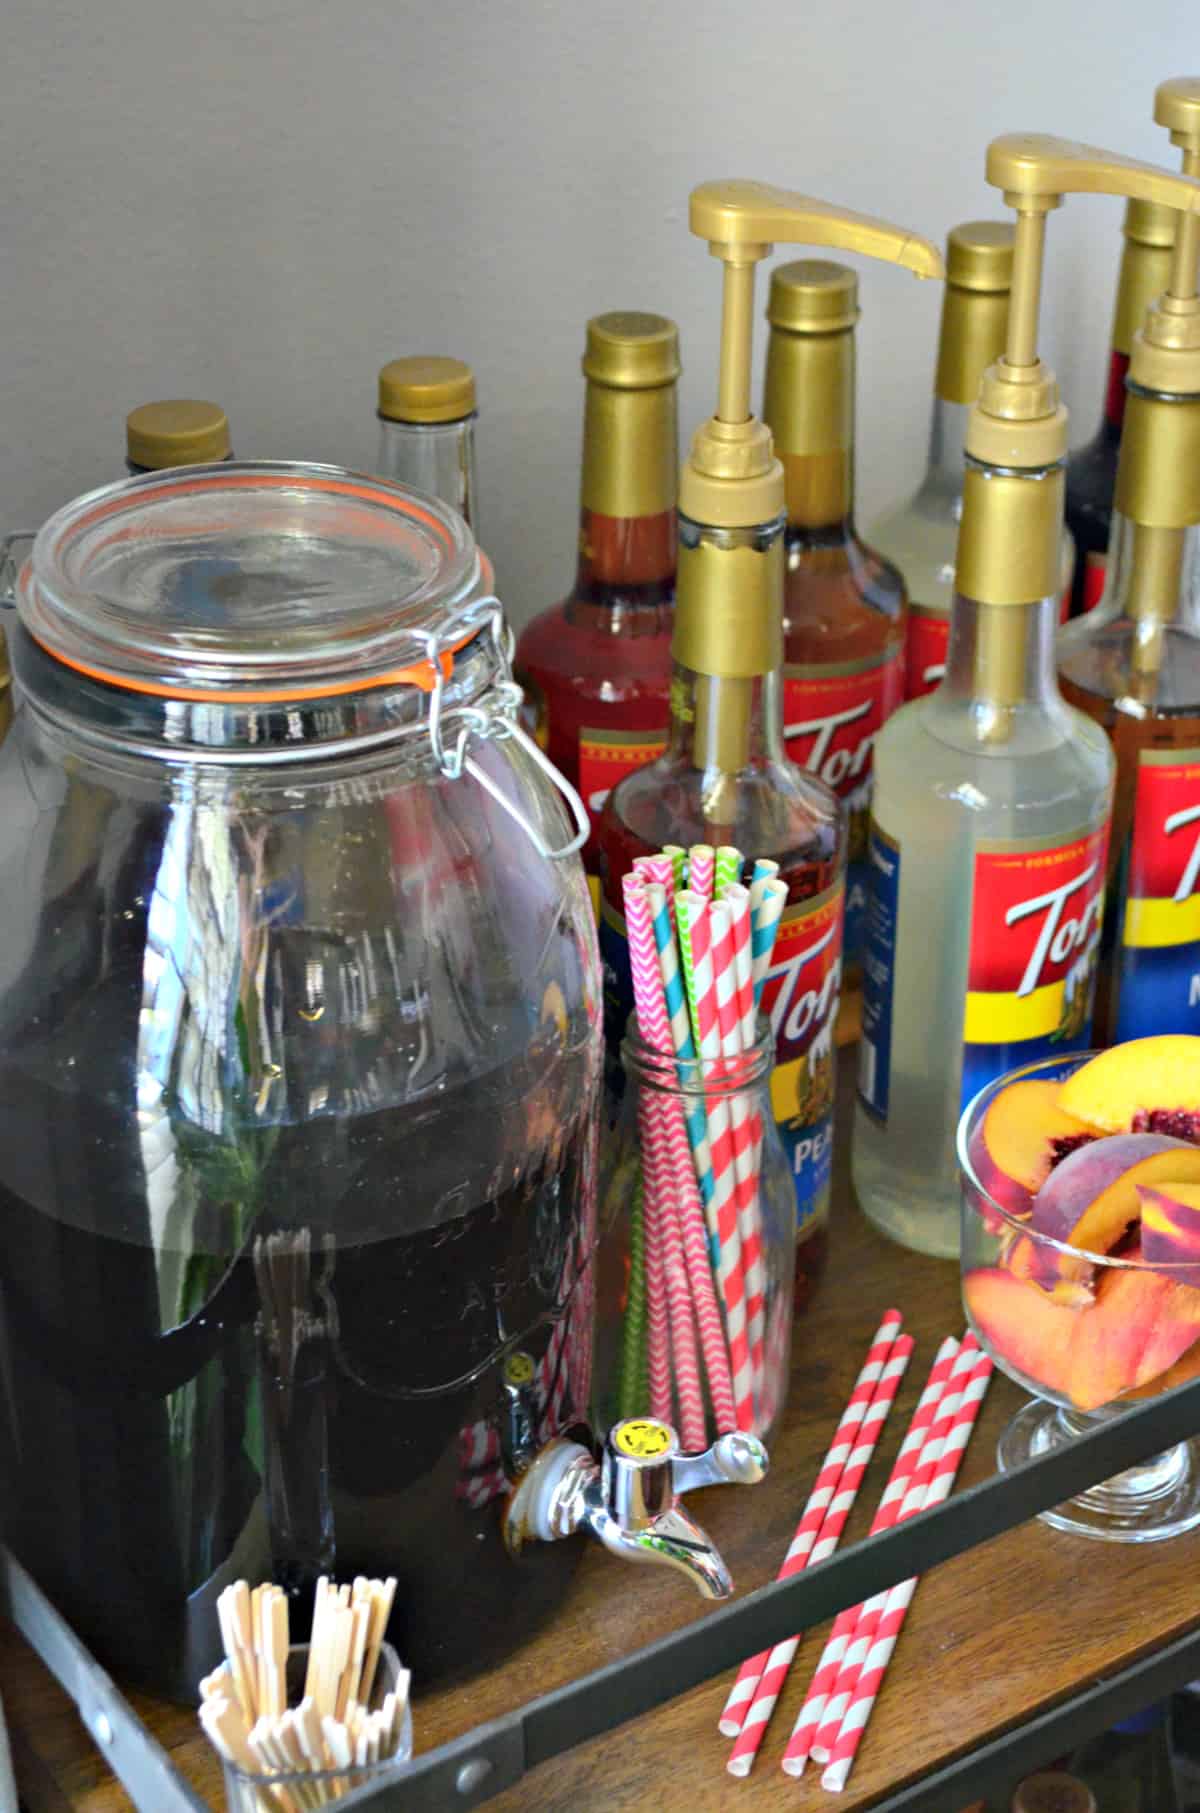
993,1637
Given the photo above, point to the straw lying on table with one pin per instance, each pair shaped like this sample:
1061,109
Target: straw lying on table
244,1707
852,1665
696,1323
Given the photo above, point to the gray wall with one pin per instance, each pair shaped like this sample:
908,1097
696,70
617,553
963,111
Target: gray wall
261,202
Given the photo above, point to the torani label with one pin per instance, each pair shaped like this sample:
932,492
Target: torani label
607,756
1157,958
1032,954
800,996
879,972
831,717
928,640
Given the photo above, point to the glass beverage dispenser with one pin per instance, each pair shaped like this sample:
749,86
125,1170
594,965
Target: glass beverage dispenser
299,1045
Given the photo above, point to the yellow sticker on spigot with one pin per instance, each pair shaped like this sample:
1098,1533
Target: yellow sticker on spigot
518,1369
644,1439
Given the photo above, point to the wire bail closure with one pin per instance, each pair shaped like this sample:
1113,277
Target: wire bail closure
496,720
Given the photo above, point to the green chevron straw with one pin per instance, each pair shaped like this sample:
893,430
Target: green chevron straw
728,869
678,857
632,1398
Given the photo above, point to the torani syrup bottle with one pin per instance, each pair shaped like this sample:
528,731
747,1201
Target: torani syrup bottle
427,419
1092,470
843,606
992,795
724,778
921,534
180,431
597,667
1133,663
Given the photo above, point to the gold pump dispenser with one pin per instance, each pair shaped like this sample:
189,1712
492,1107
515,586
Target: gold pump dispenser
1158,479
1009,549
729,587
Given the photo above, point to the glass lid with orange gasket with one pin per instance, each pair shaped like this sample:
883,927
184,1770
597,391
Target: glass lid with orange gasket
252,584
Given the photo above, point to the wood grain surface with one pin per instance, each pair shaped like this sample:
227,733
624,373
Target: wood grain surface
992,1638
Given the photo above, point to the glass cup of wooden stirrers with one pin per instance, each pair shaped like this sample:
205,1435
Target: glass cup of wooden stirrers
296,1789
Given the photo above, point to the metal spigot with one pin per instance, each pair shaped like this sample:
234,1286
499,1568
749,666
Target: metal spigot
629,1498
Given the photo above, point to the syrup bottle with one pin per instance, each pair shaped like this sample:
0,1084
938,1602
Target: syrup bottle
181,431
597,667
427,429
992,795
921,534
1133,663
1092,469
844,607
724,778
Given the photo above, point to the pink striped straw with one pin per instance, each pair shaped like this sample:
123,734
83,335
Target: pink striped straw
825,1739
826,1484
671,1184
826,1673
659,869
658,1359
741,1129
695,918
774,1674
702,859
874,1666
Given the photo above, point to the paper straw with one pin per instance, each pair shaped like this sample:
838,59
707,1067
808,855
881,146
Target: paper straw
695,951
677,856
681,1038
637,921
630,1394
764,869
737,900
685,1360
826,1673
813,1515
688,1273
749,1215
899,1599
766,913
726,870
657,869
701,868
775,1670
869,1613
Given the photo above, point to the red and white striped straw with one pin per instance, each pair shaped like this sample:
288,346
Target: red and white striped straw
658,1357
826,1673
874,1667
702,859
774,1674
741,1128
813,1515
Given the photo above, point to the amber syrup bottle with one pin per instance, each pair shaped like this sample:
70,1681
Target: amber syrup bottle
1149,231
1133,663
845,611
596,668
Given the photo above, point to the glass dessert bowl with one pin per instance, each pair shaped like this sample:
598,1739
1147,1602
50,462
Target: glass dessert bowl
1081,1261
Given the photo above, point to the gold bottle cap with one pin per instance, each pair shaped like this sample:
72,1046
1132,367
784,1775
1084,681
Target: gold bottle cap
813,296
979,255
426,388
631,350
179,432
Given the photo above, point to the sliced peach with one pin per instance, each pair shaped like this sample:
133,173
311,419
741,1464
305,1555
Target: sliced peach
1171,1228
1091,1199
1023,1326
1022,1135
1065,1280
1184,1369
1109,1344
1151,1084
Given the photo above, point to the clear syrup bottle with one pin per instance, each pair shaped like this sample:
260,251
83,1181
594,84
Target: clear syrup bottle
992,795
1133,662
427,429
921,534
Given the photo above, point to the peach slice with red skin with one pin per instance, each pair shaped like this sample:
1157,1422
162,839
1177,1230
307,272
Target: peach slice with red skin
1171,1228
1091,1199
1022,1325
1148,1085
1020,1138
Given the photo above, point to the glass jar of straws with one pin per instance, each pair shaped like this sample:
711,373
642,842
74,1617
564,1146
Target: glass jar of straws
696,1313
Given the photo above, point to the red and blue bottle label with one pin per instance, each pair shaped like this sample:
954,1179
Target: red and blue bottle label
1157,953
1034,949
831,718
1032,954
800,997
